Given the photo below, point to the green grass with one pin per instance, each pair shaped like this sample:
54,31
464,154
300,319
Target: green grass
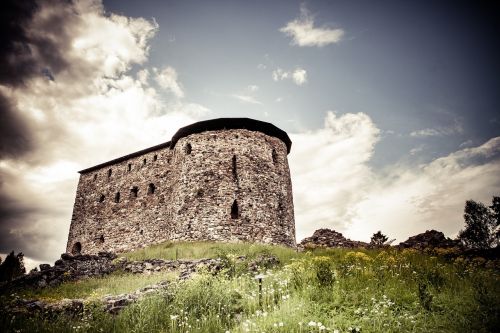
198,250
320,291
96,287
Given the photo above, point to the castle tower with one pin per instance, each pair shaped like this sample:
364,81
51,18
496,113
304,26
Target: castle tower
224,179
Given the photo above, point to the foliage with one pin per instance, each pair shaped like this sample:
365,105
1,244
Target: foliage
481,224
378,239
12,267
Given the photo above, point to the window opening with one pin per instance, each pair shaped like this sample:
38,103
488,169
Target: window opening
275,156
234,210
133,191
188,149
110,172
95,177
141,232
144,162
235,174
101,239
101,198
155,158
151,188
76,249
117,197
129,166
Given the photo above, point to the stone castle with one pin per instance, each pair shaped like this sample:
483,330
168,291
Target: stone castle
224,179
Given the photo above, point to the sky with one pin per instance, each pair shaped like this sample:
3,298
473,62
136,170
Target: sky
392,106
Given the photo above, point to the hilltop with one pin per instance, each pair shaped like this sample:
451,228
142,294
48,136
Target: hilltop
217,287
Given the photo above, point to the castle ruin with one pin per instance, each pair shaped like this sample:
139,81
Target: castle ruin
223,179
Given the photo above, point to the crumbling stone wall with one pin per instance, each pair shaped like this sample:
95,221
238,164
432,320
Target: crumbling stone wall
221,185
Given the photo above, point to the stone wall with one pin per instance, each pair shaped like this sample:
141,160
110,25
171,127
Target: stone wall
222,185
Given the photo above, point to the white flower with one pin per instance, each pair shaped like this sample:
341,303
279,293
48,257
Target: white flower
336,331
322,327
174,317
280,324
312,323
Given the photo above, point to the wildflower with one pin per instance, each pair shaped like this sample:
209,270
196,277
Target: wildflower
336,331
322,327
174,317
312,323
280,324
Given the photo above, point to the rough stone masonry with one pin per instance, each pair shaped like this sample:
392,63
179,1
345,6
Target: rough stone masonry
223,179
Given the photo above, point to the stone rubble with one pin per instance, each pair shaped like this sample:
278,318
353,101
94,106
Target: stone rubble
430,238
330,238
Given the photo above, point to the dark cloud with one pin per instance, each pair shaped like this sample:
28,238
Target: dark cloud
15,136
31,45
25,51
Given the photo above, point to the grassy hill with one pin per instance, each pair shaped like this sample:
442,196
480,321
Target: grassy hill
314,291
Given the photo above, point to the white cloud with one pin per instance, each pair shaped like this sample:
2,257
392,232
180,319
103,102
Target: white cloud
246,99
279,74
167,79
298,76
335,187
455,128
303,32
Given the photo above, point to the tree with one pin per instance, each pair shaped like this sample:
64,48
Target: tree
481,224
378,239
12,267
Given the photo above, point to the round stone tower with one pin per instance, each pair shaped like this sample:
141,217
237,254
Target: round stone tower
232,182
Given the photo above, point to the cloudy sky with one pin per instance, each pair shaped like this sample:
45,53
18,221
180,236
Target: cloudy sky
392,106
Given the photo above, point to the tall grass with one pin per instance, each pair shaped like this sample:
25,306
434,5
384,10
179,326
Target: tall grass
319,291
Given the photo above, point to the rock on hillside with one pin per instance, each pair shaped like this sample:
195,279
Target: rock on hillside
330,238
430,238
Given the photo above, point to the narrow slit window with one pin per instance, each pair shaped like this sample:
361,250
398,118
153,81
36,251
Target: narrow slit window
117,197
129,167
133,191
101,239
101,198
188,149
235,172
155,158
95,177
110,172
234,210
151,188
144,161
275,156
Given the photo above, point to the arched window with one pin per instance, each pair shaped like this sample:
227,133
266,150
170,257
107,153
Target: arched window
129,167
234,210
151,188
110,172
76,249
144,161
117,197
275,156
101,198
187,149
133,191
